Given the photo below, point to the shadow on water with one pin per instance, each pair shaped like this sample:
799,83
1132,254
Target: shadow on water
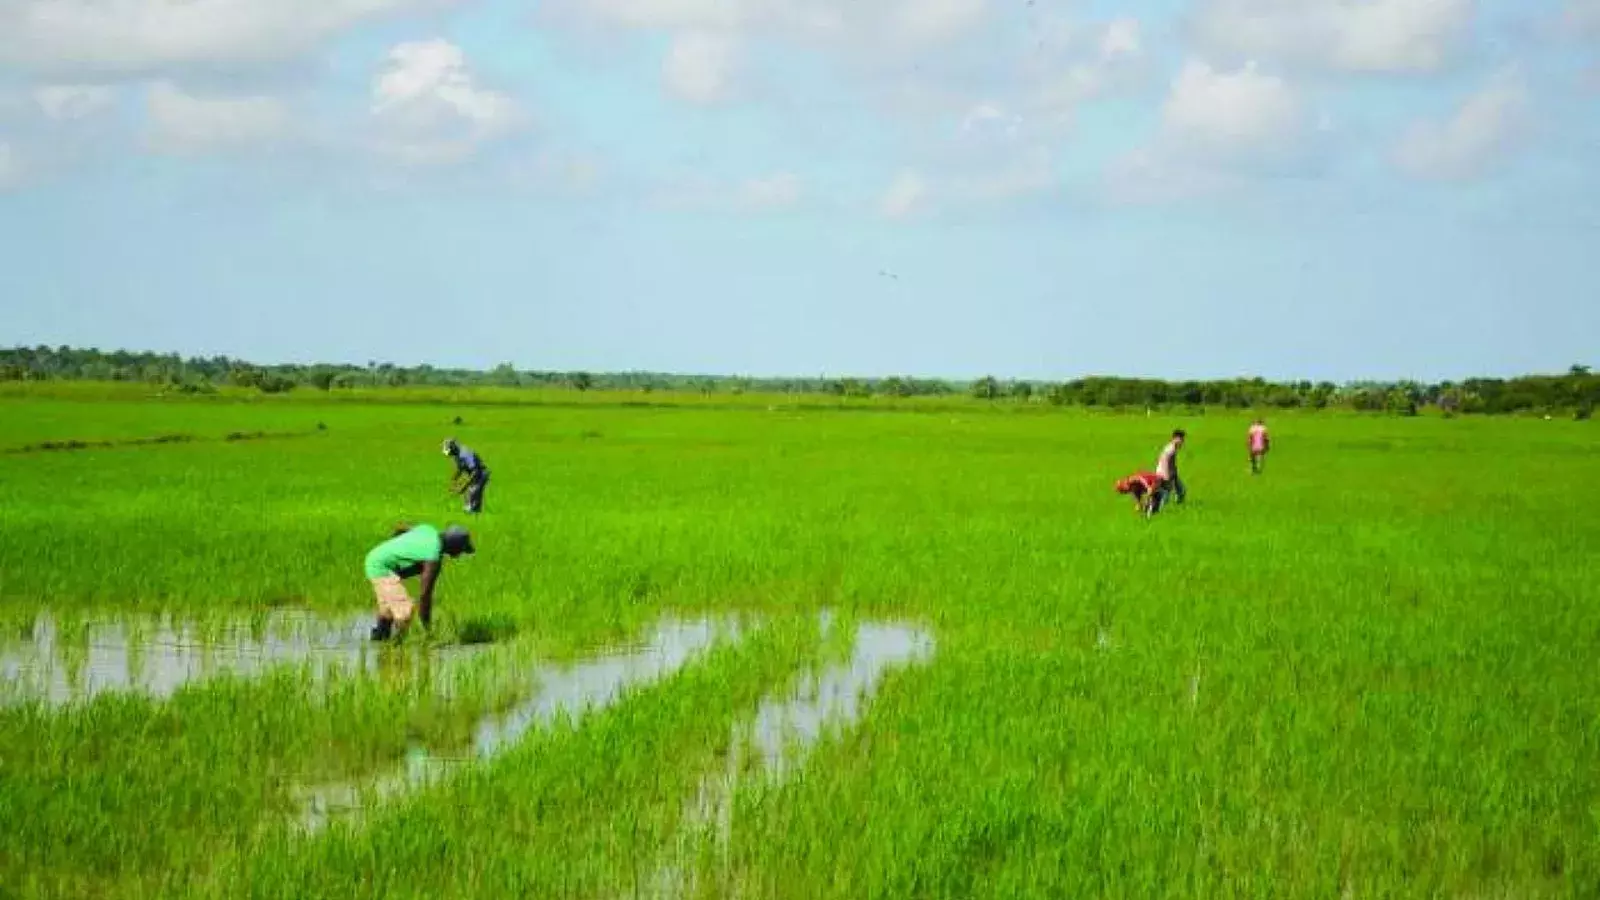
556,691
63,664
775,742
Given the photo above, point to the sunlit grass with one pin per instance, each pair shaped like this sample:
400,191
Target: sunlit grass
1368,672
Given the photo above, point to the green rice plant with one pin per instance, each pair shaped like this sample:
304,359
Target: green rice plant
126,794
567,811
1367,672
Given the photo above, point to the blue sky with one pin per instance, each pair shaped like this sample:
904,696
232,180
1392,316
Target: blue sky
1332,189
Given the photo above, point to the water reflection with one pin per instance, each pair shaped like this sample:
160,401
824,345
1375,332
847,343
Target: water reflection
780,736
156,657
556,691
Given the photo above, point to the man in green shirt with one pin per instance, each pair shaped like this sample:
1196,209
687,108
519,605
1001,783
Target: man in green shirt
418,550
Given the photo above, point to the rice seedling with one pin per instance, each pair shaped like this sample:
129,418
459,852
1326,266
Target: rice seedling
1366,672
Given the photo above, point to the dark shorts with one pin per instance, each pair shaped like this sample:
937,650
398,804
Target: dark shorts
475,492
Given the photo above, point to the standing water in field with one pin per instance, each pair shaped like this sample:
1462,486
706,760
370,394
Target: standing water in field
558,690
781,734
158,656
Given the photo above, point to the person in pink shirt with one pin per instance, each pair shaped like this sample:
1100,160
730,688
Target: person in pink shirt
1260,443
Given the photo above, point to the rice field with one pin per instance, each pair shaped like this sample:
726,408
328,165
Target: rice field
777,650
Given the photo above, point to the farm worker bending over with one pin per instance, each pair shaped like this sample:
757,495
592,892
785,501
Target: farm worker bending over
1143,486
1260,443
1167,469
418,550
471,477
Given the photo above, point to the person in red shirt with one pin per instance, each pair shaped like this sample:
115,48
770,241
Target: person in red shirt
1143,487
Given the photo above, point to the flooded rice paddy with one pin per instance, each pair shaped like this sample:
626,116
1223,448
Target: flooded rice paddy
62,664
1366,673
554,691
769,746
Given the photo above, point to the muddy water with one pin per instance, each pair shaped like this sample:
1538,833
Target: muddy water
775,742
556,691
158,656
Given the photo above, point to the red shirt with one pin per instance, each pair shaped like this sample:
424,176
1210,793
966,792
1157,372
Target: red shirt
1139,483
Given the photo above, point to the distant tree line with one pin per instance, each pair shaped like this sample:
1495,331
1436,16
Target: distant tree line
1576,391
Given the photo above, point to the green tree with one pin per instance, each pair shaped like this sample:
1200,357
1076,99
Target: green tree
245,376
1401,402
986,388
505,375
894,386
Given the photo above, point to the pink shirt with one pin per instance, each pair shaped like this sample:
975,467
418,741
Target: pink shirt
1258,438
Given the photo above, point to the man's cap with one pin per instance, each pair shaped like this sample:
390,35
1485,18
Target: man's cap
449,446
457,538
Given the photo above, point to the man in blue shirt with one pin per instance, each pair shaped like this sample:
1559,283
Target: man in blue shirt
471,476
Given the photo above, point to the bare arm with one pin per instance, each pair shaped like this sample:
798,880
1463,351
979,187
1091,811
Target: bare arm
430,574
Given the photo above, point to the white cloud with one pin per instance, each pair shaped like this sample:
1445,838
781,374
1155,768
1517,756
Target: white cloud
558,172
777,191
145,36
699,66
1346,35
13,104
999,142
1076,65
66,102
10,166
1582,17
990,120
428,107
1031,172
180,122
906,194
1217,129
1027,171
889,25
1479,136
913,192
1121,40
1001,146
703,62
1152,175
960,76
1236,116
763,194
928,23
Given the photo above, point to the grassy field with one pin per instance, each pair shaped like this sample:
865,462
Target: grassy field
1368,673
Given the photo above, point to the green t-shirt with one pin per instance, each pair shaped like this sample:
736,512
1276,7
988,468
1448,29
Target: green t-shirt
419,545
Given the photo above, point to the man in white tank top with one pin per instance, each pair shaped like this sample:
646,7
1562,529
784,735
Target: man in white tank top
1167,469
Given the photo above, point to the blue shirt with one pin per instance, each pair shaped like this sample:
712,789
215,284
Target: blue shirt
468,462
